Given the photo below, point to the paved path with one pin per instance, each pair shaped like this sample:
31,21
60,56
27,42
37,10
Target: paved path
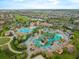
4,43
9,46
28,48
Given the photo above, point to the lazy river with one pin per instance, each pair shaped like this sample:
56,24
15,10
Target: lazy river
37,42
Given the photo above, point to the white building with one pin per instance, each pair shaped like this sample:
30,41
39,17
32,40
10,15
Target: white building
39,57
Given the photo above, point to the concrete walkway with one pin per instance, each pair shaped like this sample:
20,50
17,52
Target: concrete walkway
9,46
5,43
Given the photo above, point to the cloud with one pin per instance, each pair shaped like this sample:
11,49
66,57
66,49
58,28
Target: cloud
55,2
19,0
39,4
74,1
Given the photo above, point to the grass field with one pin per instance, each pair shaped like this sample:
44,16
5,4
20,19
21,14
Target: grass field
3,56
4,40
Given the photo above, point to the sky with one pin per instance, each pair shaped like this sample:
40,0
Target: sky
39,4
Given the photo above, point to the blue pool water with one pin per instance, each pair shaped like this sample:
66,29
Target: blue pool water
56,37
24,30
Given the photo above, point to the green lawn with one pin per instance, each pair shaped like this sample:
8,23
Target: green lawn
63,56
22,19
68,56
4,40
3,56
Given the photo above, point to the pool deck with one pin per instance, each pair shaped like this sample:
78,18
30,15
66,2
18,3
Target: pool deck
58,45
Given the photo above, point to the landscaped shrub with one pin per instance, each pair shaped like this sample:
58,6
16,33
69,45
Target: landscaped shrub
58,57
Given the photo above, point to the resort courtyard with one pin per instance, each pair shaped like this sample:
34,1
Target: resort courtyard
36,38
42,39
48,42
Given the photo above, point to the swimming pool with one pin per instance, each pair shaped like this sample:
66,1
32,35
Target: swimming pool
24,30
37,42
